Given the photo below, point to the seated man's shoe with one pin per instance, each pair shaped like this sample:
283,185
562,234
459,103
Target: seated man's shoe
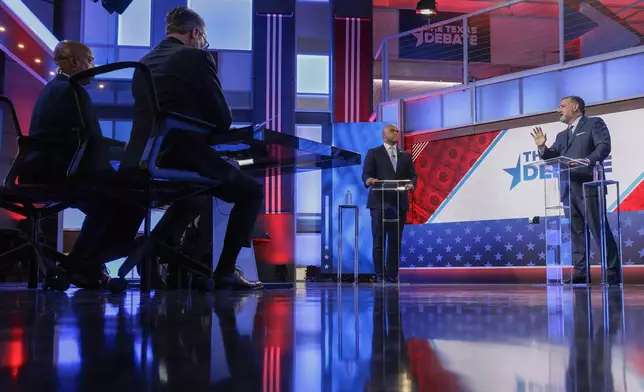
235,280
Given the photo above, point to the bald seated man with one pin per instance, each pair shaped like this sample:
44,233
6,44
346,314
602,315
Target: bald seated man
388,162
110,226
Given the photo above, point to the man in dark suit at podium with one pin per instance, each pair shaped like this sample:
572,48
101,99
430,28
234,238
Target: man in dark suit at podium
387,162
588,139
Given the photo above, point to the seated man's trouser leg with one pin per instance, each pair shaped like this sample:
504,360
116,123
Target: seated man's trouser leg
108,231
192,153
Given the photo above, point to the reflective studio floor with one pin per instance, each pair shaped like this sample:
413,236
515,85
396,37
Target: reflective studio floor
320,337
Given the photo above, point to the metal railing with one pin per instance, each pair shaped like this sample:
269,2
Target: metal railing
514,36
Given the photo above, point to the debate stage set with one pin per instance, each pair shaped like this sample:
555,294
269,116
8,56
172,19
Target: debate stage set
487,297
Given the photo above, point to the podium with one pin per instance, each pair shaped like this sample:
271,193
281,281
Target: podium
601,186
556,174
390,213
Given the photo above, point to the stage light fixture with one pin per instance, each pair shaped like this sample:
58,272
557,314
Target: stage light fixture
52,73
2,29
37,60
426,7
101,86
21,46
118,6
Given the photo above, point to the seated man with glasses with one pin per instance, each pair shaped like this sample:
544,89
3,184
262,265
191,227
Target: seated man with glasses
186,80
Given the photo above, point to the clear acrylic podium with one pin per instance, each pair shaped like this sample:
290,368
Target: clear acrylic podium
555,173
602,186
390,216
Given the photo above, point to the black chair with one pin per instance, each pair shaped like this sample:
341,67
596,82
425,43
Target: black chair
150,186
35,202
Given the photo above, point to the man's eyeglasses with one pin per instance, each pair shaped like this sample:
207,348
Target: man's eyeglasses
206,45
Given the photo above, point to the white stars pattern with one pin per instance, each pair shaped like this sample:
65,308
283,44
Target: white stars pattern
509,242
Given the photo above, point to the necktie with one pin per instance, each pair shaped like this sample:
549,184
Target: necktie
392,154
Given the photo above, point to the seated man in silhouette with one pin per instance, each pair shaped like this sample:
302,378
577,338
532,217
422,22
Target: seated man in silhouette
185,76
110,226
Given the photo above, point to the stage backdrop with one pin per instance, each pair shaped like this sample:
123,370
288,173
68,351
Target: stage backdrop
479,193
358,137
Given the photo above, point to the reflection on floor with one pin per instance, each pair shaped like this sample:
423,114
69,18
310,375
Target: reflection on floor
325,338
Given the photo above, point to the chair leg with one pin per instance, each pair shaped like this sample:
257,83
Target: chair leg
53,254
6,257
146,268
33,261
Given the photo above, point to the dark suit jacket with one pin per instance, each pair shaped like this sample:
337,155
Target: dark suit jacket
187,83
377,164
56,122
591,140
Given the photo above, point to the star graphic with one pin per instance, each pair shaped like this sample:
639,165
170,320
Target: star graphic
498,256
403,258
488,247
326,266
628,243
439,258
421,258
531,228
542,236
439,240
531,264
403,242
508,229
488,264
458,257
326,247
628,222
640,232
630,262
519,256
467,230
412,249
430,249
515,172
448,249
430,231
519,237
487,229
326,257
530,246
458,240
497,238
412,232
508,246
468,248
641,252
592,254
448,264
477,256
468,264
542,256
420,241
477,239
448,231
508,264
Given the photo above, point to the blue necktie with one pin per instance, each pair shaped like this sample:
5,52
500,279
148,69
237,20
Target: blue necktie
393,157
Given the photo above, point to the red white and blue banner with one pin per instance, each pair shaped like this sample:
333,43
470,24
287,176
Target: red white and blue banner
475,194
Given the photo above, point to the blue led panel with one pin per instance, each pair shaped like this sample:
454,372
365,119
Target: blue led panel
312,74
134,24
229,22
